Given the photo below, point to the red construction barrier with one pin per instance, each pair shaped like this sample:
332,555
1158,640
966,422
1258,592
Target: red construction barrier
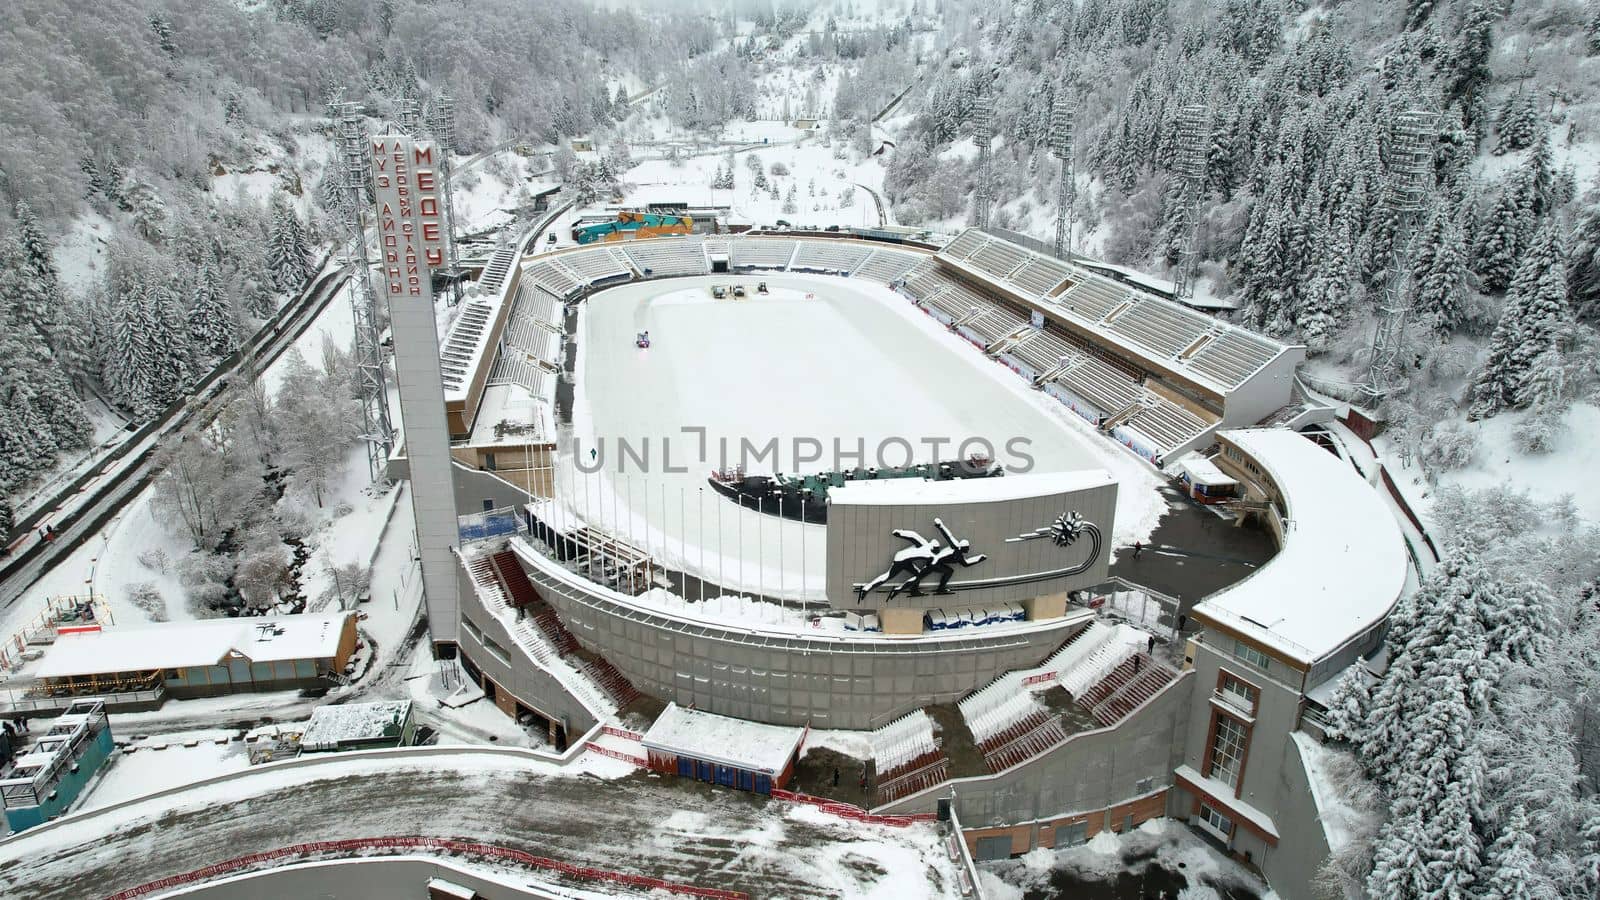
639,761
850,811
622,733
448,845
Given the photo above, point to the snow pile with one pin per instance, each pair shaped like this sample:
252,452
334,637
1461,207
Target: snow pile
1341,819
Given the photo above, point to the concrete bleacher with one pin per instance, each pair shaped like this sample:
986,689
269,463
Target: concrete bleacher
884,266
998,259
1232,356
965,244
1167,424
1043,350
1092,666
513,366
761,253
1164,328
669,256
498,268
1040,276
595,264
995,323
1107,387
460,344
829,256
1094,299
555,279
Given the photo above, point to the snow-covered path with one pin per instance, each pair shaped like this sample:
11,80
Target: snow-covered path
672,829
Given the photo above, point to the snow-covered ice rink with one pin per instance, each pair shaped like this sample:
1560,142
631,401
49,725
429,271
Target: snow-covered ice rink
821,358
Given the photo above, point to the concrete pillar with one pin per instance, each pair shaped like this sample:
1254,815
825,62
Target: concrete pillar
1049,606
900,621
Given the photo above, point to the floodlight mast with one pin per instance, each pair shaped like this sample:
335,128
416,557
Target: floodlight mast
1409,158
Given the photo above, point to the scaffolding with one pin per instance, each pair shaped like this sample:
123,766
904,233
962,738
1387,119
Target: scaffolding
1063,120
1189,166
983,121
1408,156
377,430
444,131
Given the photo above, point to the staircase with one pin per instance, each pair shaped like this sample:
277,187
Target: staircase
499,266
539,631
1126,688
1025,746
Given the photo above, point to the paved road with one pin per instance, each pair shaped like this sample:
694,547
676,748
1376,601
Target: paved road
671,829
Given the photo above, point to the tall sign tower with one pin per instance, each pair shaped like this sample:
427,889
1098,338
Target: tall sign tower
377,429
1063,120
1194,135
1409,158
410,226
983,120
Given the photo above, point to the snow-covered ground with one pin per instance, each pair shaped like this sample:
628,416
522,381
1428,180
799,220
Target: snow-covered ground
1158,845
819,358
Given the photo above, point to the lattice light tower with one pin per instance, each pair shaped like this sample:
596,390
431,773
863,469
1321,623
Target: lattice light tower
1063,121
983,122
355,154
408,115
1194,138
444,121
1409,159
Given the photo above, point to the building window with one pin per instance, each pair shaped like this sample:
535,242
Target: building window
1227,751
1251,655
1238,693
1215,822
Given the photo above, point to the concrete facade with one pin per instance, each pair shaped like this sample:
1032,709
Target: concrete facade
786,679
1008,520
1080,781
486,643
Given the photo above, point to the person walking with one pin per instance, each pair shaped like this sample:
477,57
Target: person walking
1150,645
835,776
1138,548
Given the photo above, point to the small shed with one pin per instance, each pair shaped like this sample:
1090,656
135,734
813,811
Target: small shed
359,726
1203,481
735,753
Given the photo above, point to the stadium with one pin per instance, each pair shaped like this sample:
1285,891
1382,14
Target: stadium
596,396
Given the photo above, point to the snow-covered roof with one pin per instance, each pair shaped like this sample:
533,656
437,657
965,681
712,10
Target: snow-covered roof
206,642
751,746
334,725
1203,471
897,491
1342,564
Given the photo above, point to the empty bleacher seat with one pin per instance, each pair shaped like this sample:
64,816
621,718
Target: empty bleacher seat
1093,297
761,253
593,264
1233,356
1163,329
965,244
1167,424
668,256
829,256
1039,276
1110,389
998,259
554,279
884,266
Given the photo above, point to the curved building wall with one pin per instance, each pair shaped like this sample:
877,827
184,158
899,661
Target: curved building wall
384,877
827,682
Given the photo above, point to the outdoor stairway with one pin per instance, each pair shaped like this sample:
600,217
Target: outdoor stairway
614,683
907,758
499,266
516,582
1025,746
1124,689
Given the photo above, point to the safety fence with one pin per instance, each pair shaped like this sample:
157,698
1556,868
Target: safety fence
850,811
639,761
624,733
468,848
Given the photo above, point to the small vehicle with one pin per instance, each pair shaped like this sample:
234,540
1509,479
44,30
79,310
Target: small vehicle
551,240
761,288
833,228
719,291
782,223
738,290
642,340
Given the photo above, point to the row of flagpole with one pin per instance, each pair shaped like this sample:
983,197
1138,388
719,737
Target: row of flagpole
567,516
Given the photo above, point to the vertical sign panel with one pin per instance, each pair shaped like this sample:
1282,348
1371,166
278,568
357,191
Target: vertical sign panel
410,245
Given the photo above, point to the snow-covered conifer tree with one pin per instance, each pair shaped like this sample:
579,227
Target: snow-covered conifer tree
213,333
1501,239
1518,123
286,250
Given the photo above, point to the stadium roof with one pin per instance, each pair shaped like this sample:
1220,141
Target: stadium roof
206,642
742,744
1342,565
